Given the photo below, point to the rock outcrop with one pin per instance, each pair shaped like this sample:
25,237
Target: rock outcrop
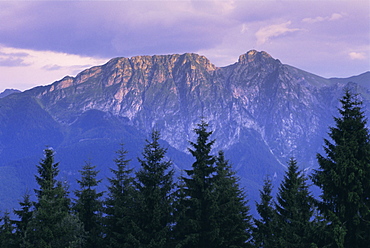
284,105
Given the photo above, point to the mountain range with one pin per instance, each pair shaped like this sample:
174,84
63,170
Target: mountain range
262,113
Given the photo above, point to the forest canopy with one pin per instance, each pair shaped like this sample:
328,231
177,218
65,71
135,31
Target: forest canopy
205,206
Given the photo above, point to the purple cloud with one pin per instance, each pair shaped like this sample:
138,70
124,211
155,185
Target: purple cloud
268,32
318,31
51,67
12,62
110,29
13,59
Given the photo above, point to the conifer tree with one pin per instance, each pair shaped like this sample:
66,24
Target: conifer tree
264,232
119,204
344,176
198,226
52,224
47,173
233,218
24,218
89,206
294,210
154,185
179,209
7,236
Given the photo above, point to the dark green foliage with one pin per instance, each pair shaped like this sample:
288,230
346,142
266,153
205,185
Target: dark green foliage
52,224
233,218
264,232
208,209
344,176
7,236
153,209
211,210
89,206
72,234
47,172
199,224
179,231
294,209
119,204
24,218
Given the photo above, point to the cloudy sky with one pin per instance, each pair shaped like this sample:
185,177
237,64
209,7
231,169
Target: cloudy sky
43,41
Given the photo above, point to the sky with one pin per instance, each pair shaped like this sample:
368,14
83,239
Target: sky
43,41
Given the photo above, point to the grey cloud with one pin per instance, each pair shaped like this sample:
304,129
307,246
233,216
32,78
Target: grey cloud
110,29
13,59
75,69
12,62
51,67
128,28
14,54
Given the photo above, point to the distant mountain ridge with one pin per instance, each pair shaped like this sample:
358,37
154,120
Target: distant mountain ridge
262,112
7,92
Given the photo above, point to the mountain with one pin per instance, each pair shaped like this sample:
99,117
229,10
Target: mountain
262,113
362,79
7,92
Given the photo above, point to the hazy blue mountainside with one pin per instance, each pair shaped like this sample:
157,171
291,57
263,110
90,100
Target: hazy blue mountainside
7,92
262,112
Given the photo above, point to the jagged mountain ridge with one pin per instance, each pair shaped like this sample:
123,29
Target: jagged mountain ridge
262,112
173,92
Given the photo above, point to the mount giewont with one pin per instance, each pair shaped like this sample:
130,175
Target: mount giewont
262,112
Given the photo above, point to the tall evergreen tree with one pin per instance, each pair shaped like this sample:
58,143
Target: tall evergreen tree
119,204
179,230
89,206
294,209
154,196
344,176
47,173
198,226
24,218
52,224
233,218
7,236
264,232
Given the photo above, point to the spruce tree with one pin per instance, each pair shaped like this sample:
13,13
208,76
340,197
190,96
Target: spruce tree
24,218
119,204
264,232
233,218
344,176
89,206
179,231
47,173
7,236
198,226
154,185
294,210
52,224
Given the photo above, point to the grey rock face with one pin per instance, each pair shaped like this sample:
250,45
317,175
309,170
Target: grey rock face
287,107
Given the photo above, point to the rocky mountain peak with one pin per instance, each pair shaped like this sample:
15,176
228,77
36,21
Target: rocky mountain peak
254,56
65,82
258,93
196,59
121,70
